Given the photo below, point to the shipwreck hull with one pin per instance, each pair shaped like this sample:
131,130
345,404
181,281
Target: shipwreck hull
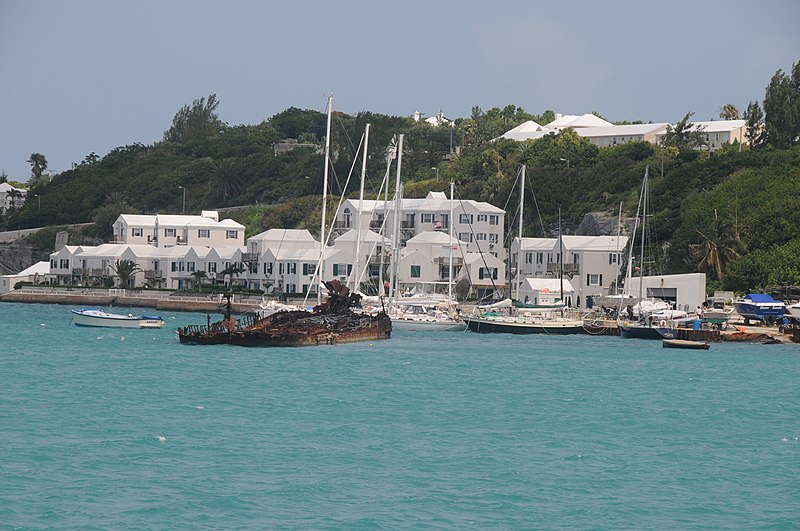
292,329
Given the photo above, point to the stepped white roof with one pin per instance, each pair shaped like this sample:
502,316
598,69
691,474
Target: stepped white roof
594,243
718,126
622,130
584,120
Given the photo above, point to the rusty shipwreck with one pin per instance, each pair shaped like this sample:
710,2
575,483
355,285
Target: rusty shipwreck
334,321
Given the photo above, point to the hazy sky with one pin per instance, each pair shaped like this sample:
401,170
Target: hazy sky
86,76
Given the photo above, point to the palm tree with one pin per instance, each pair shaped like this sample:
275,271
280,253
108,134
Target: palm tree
729,112
233,270
198,278
38,164
225,179
718,247
125,269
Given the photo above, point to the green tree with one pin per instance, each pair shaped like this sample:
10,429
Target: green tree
195,122
782,109
198,276
38,164
225,180
729,112
3,177
233,270
125,269
684,136
754,117
718,247
104,217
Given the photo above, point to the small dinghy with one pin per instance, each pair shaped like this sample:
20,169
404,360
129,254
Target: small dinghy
685,343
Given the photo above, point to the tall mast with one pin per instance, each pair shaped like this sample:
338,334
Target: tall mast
450,257
560,257
397,211
357,275
390,153
644,220
322,237
619,229
521,216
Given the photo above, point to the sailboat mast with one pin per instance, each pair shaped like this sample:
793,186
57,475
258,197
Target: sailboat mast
322,238
390,152
560,257
521,217
450,256
644,220
357,274
619,230
397,213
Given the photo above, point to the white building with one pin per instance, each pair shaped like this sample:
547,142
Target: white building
614,135
36,273
11,197
687,291
167,230
477,224
591,263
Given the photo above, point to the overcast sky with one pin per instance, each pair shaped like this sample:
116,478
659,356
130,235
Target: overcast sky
86,76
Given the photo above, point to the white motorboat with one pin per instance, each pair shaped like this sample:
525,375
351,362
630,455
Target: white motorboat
96,317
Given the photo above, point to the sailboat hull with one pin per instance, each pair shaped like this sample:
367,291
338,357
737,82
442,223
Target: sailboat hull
635,331
500,325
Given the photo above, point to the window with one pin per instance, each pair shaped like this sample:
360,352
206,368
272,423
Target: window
177,266
493,238
211,267
483,217
465,237
539,258
465,218
291,268
53,263
137,232
341,269
494,219
487,273
416,271
231,234
309,269
281,268
347,218
481,237
594,280
426,218
444,220
169,233
190,267
613,258
203,233
291,288
528,258
64,264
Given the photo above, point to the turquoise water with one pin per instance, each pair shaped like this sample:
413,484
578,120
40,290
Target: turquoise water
104,428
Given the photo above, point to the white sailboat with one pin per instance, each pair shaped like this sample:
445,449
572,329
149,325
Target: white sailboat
646,318
496,319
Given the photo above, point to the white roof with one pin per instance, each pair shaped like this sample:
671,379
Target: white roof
532,244
41,268
718,126
288,235
526,131
137,219
621,130
548,285
366,235
584,120
5,187
432,236
594,243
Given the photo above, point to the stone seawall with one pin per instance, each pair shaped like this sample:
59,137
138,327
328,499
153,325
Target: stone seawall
166,304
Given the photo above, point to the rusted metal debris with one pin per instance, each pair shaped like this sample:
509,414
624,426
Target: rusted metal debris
331,322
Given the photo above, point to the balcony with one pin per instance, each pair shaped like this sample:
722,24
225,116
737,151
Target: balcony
154,275
569,269
249,257
80,271
99,272
444,261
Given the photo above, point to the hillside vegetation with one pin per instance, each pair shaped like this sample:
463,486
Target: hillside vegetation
733,213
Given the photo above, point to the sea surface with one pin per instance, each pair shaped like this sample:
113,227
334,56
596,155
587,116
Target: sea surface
113,429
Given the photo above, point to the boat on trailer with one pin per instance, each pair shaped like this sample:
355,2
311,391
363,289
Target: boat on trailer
99,318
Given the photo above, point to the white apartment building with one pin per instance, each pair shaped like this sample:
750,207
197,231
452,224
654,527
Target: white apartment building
591,263
167,230
477,224
615,135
